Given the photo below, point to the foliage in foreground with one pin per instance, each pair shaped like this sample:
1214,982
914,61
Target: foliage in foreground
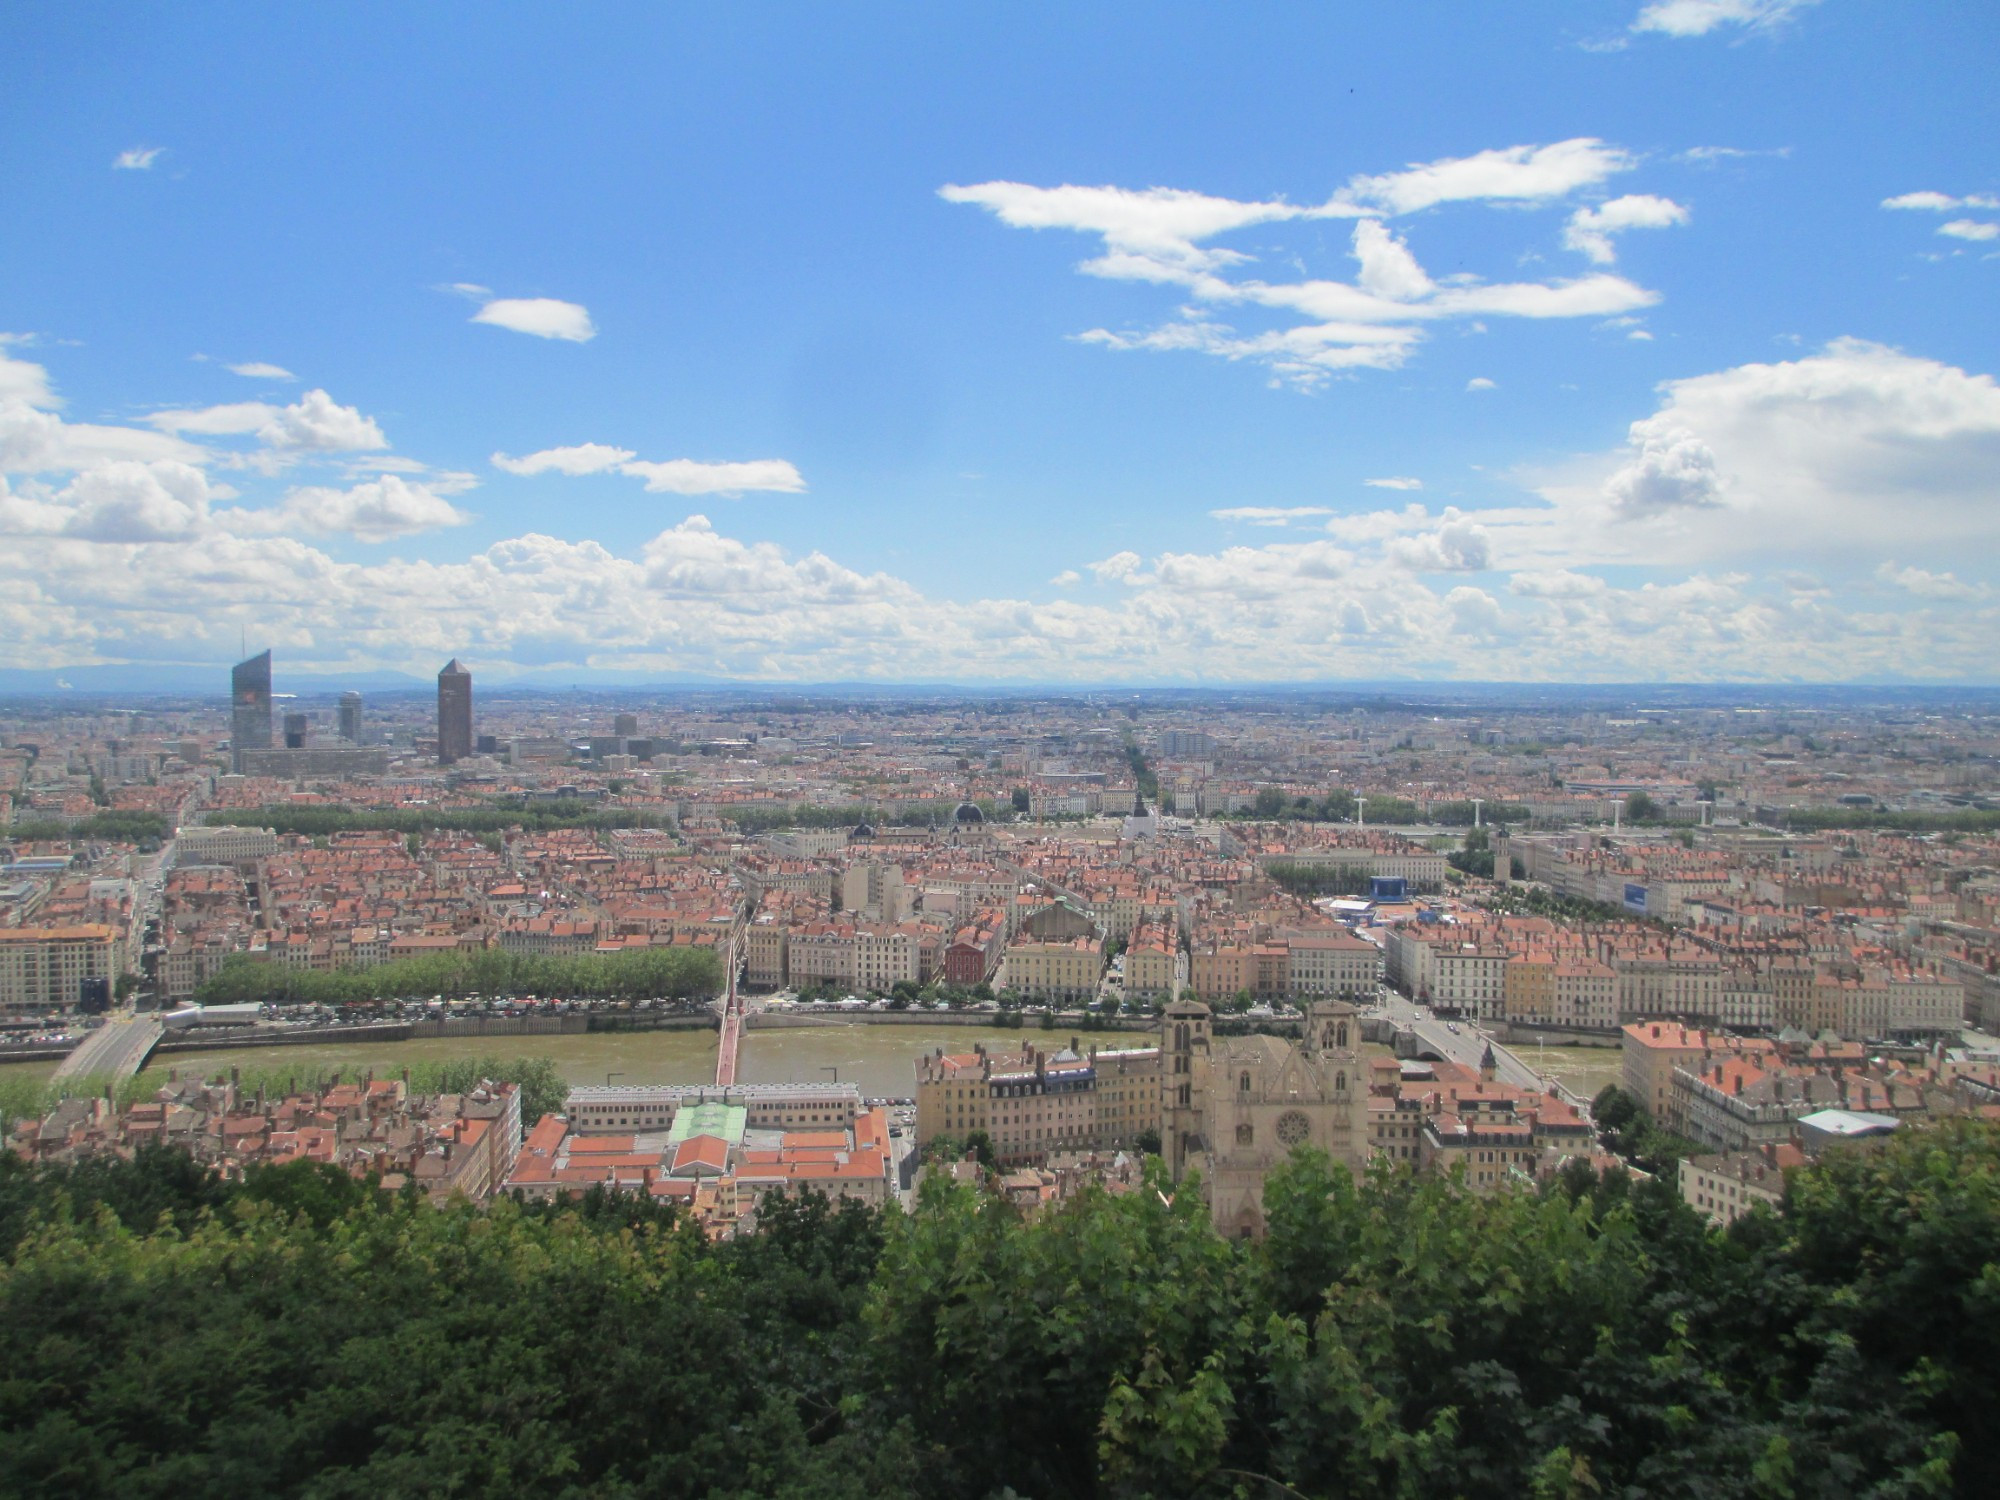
302,1334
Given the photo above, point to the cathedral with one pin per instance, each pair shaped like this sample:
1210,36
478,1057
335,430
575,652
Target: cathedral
1232,1108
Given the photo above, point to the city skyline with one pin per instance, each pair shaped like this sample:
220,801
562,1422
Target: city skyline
1579,343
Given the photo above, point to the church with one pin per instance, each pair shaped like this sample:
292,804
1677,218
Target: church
1232,1108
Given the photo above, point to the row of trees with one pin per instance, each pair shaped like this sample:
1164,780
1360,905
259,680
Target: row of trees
673,973
496,816
298,1333
1338,807
118,826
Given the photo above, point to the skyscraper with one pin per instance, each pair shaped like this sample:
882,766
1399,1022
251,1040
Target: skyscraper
250,712
295,731
350,717
454,713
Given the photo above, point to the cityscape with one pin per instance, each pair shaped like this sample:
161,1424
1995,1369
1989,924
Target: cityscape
1348,847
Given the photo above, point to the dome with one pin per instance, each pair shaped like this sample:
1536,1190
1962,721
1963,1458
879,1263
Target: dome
862,831
968,812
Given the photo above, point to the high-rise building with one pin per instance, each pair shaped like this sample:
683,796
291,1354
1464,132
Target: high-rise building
625,726
350,717
454,713
250,713
295,731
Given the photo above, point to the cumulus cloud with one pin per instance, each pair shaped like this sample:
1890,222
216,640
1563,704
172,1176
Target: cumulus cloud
1119,567
1672,470
1682,18
125,500
315,423
1854,450
1590,229
1394,482
1481,383
1970,229
1269,515
1458,545
23,382
582,458
375,511
1942,203
1928,585
544,317
1066,578
137,159
257,369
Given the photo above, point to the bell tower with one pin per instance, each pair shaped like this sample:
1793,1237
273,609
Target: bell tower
1184,1082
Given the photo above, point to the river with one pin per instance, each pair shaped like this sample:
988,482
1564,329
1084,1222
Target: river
881,1060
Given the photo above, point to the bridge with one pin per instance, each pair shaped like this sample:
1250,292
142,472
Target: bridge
117,1049
732,1010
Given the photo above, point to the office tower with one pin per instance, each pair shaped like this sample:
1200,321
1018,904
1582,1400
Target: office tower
250,712
454,713
625,726
350,717
295,731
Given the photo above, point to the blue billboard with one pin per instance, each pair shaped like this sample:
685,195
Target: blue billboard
1635,899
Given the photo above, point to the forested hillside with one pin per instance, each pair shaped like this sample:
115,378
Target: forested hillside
302,1334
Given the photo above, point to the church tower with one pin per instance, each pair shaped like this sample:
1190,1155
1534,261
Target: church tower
1184,1084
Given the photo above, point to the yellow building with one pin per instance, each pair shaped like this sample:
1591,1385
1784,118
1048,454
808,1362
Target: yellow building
46,968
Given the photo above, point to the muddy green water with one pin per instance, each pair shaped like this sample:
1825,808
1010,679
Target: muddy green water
880,1059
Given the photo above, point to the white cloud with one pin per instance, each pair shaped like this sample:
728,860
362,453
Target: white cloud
1847,453
684,476
1458,545
544,317
124,500
1387,267
23,382
1066,578
1151,234
138,159
1269,515
1699,17
1927,584
315,423
679,476
1161,235
1480,383
1590,229
1396,482
1970,229
1941,203
583,458
1521,174
1672,470
375,511
258,370
1119,567
1473,611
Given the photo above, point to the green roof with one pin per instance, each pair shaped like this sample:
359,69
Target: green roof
725,1120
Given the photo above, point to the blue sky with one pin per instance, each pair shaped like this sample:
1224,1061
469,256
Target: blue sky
1148,344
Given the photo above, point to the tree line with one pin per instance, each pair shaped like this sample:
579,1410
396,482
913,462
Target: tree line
113,825
673,973
301,1333
499,815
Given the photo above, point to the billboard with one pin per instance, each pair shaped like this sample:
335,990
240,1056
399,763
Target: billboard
1635,899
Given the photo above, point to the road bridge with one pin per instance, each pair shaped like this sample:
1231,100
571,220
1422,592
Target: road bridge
117,1049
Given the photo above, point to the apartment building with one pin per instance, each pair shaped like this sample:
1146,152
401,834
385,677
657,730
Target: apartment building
56,968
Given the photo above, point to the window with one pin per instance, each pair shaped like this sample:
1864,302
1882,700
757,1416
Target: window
1245,1135
1243,1084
